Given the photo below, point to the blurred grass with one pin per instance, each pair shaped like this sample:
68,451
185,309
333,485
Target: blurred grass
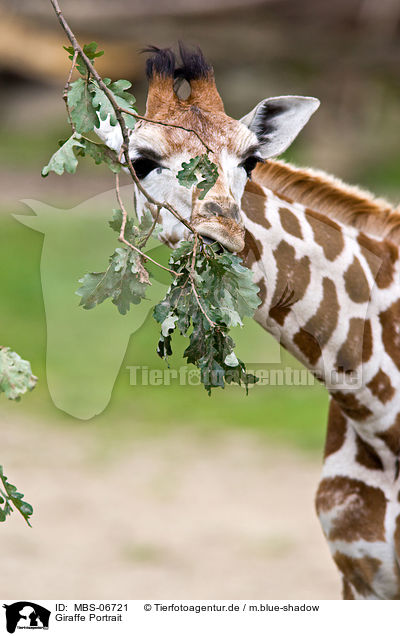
292,414
30,147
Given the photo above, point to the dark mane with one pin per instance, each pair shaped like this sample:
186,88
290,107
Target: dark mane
162,62
189,65
329,195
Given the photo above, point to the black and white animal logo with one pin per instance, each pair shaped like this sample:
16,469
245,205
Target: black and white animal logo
26,615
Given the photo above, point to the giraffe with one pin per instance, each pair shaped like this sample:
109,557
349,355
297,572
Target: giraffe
326,258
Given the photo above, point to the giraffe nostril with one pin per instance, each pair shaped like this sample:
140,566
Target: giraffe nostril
212,208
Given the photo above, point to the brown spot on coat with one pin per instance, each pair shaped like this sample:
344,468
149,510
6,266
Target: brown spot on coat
381,257
336,432
311,338
391,436
327,233
367,342
357,346
367,456
397,538
293,277
390,321
262,293
254,206
359,572
360,509
290,222
381,387
308,345
356,283
347,591
351,406
253,249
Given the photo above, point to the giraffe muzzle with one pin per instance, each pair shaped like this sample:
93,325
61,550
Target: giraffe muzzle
222,223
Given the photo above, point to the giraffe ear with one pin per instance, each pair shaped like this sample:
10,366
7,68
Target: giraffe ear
278,120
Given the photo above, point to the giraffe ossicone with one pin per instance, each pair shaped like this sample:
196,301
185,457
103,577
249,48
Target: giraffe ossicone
326,258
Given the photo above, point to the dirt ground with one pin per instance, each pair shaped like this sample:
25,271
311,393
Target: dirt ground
175,517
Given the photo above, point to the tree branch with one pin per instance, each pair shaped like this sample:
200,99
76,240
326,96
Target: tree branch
164,123
118,114
144,275
193,286
150,232
66,89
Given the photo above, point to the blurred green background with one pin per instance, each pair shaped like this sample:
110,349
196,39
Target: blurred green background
219,489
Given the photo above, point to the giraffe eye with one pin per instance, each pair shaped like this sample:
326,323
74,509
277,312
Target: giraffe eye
144,166
250,163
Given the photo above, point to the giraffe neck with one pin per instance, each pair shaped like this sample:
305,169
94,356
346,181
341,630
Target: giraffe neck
331,295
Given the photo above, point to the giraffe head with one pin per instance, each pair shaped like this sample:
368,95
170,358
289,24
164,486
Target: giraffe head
236,146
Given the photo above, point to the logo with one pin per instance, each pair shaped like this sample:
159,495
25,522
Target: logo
26,615
64,260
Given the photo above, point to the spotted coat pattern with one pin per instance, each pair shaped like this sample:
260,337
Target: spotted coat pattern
343,323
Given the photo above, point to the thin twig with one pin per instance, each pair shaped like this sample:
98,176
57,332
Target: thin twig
118,115
212,324
119,199
66,89
194,253
193,285
164,123
148,258
151,230
121,236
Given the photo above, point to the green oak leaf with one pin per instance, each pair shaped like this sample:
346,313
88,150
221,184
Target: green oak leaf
146,225
209,173
232,287
187,176
83,114
120,89
90,50
229,315
64,158
123,281
126,279
103,106
135,233
9,496
100,153
124,99
131,230
16,376
225,292
202,165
